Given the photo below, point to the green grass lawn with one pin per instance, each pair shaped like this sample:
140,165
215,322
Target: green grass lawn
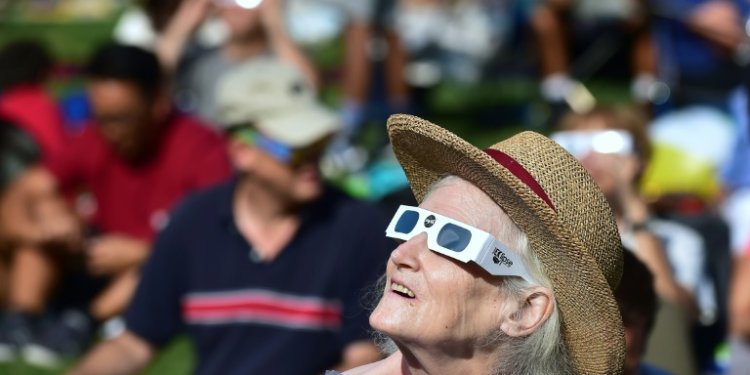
175,359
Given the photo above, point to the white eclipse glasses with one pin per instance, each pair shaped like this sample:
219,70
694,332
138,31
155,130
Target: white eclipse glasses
458,241
580,143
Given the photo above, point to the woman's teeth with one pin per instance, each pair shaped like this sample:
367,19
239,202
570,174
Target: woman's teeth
402,290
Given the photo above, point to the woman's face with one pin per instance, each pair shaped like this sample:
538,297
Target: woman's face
431,300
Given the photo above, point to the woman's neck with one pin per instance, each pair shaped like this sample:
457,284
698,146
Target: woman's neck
428,362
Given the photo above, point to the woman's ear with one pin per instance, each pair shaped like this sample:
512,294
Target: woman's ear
530,311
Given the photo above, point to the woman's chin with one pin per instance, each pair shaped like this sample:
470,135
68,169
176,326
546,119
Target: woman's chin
378,318
396,324
386,320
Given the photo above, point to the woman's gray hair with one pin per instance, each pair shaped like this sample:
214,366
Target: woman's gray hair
371,298
543,351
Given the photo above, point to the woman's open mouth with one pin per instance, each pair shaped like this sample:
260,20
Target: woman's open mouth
402,290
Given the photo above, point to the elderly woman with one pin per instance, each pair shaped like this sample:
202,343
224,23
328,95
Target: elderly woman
506,267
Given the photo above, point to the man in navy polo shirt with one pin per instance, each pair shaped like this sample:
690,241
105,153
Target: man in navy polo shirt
267,272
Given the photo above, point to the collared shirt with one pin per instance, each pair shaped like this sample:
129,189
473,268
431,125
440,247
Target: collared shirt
136,200
291,315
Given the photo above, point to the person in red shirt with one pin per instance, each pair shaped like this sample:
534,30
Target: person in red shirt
24,101
124,174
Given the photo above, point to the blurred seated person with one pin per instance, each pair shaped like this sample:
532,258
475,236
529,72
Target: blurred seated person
450,40
637,301
309,22
266,272
563,27
702,46
617,168
254,32
372,79
126,171
18,151
25,66
612,145
501,269
142,24
441,41
26,215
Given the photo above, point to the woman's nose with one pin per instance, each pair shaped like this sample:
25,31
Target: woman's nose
409,254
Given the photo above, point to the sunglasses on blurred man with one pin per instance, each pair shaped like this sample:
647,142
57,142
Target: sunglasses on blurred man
291,156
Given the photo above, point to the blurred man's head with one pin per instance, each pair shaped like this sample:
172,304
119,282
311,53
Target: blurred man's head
128,97
637,301
278,129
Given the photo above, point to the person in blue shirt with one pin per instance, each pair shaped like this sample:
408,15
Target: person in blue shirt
266,272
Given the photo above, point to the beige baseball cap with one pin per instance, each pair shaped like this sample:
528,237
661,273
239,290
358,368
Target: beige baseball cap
276,99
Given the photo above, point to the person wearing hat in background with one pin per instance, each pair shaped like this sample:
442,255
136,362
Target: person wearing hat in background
266,271
507,266
613,145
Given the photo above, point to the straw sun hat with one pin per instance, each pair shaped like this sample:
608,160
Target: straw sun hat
552,199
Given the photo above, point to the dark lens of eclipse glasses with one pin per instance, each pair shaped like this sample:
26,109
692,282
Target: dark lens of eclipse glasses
453,237
407,222
450,236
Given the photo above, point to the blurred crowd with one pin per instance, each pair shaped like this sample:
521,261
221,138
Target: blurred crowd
203,180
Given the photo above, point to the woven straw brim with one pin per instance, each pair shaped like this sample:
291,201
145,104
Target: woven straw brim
577,242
